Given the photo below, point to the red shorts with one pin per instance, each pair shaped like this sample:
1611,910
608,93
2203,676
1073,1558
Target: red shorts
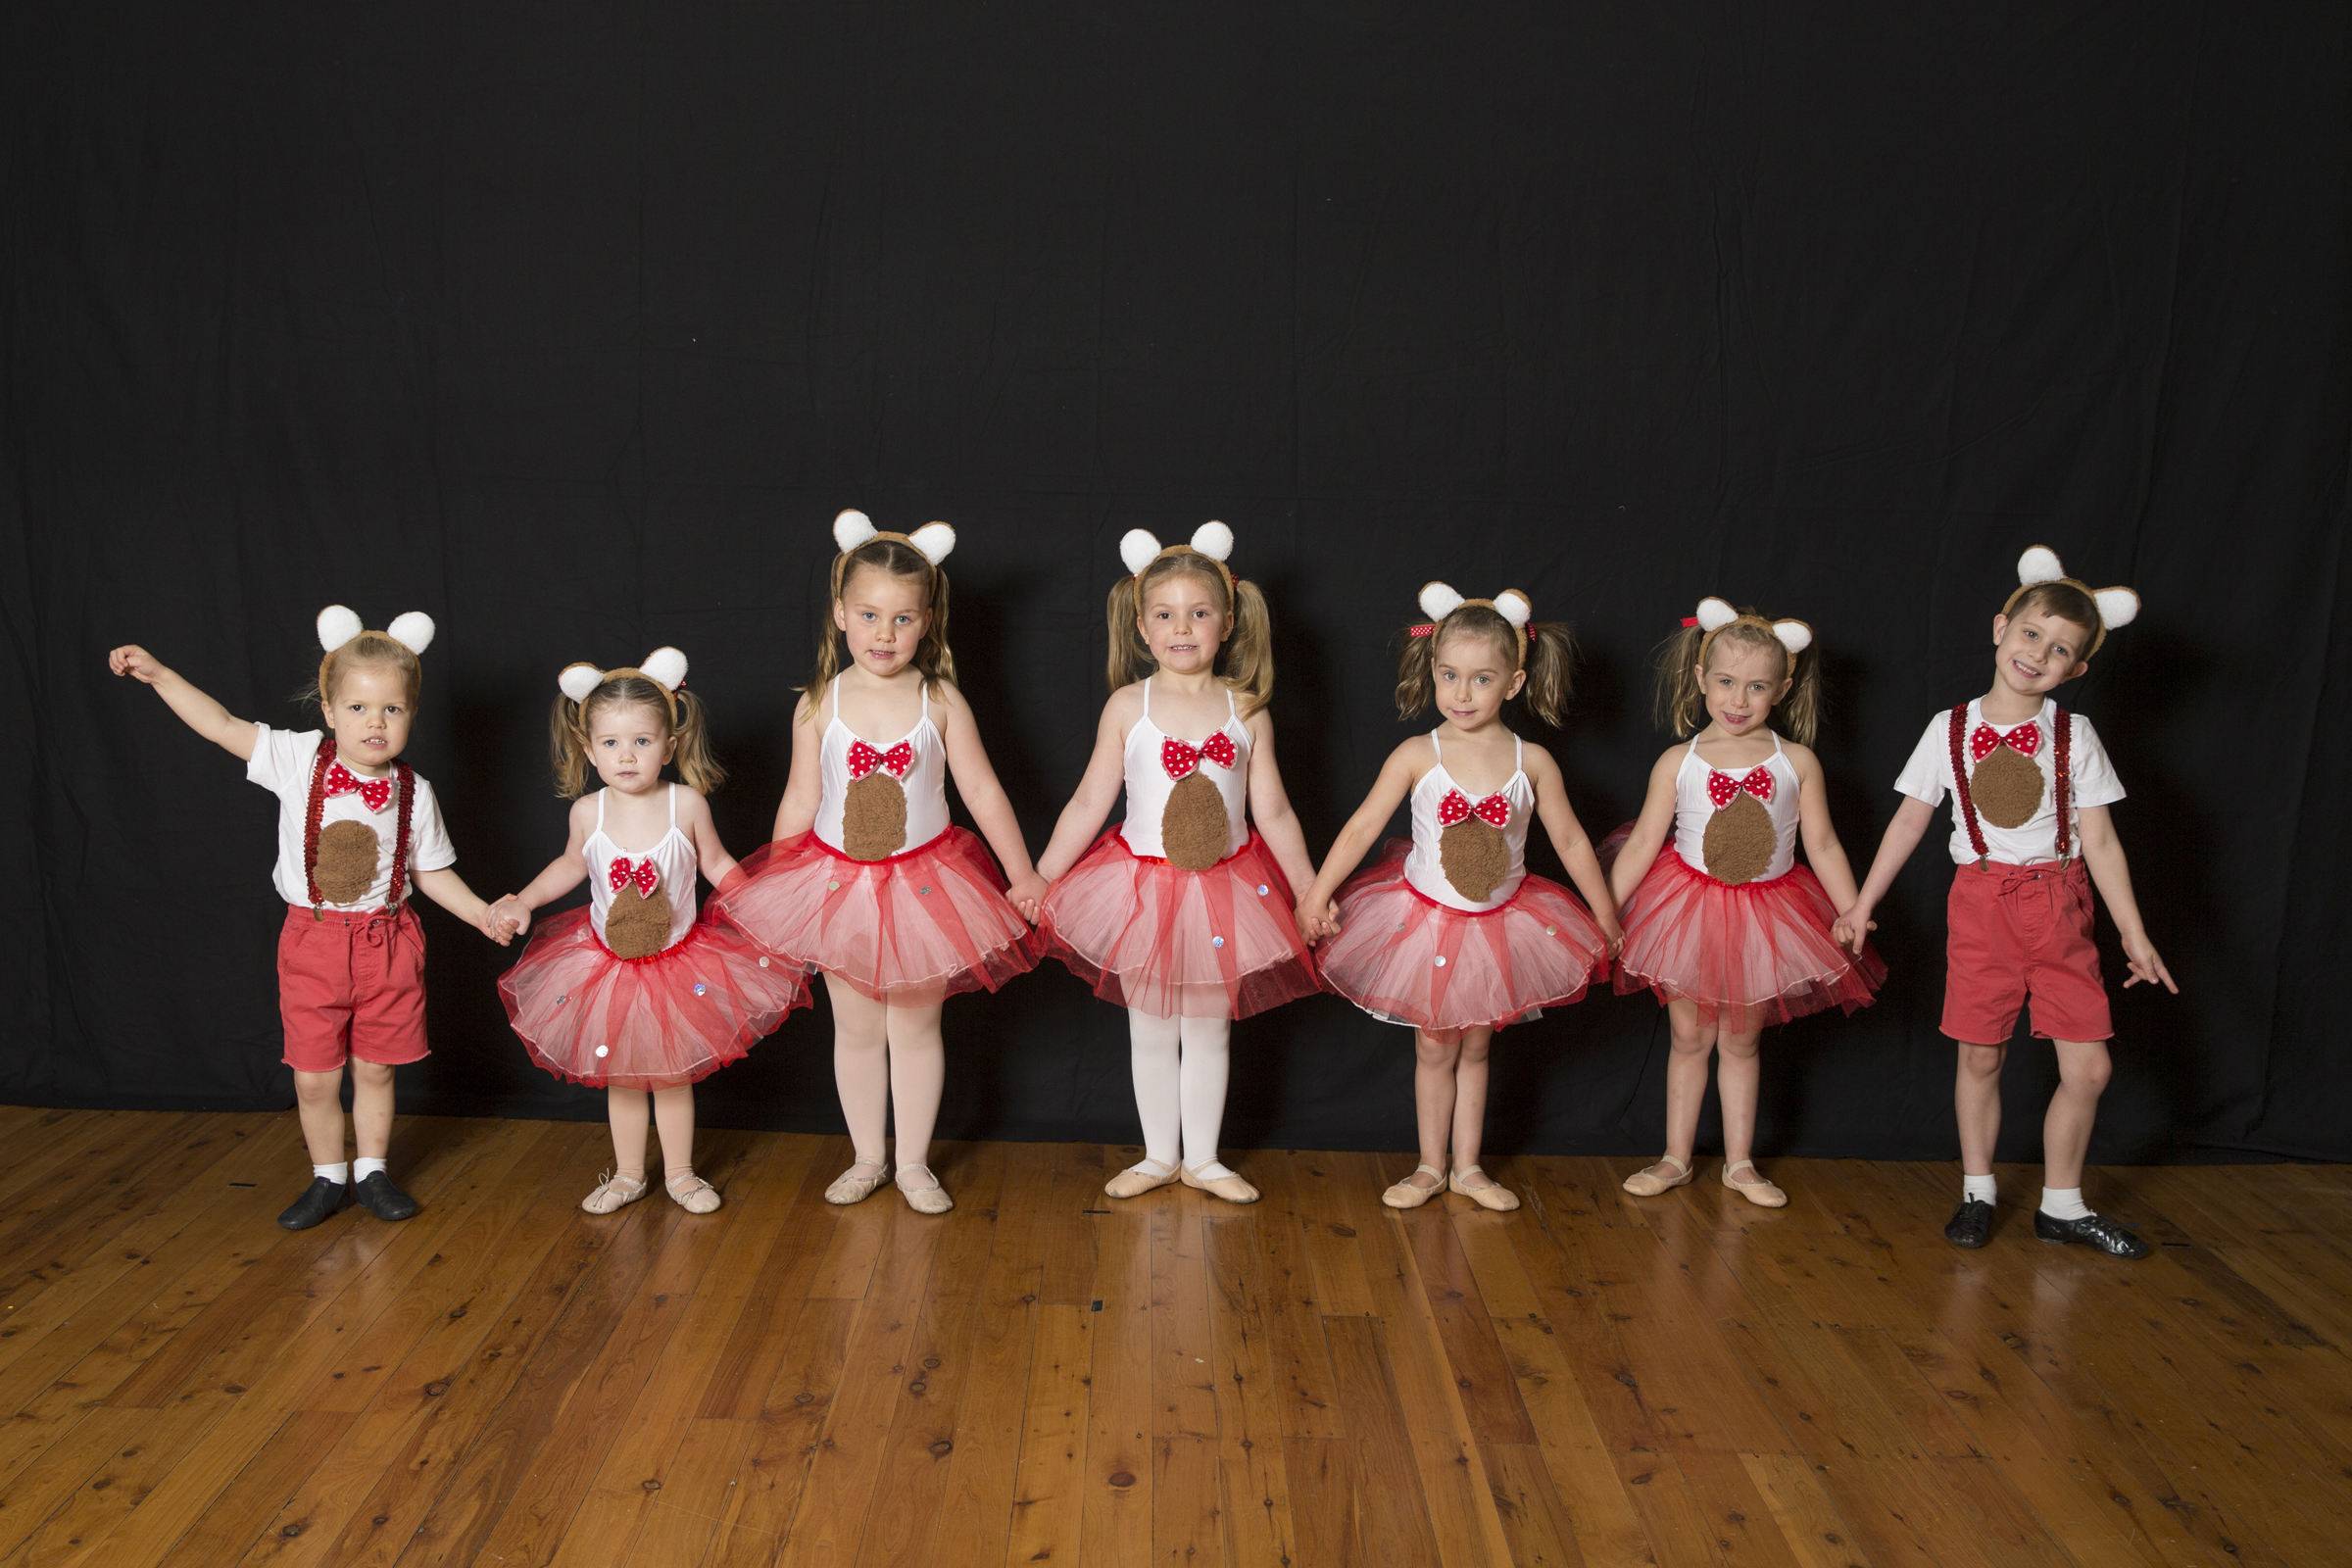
351,985
2020,934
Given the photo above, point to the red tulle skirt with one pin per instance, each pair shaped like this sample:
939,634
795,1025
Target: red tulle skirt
908,932
1401,956
1172,943
594,1017
1749,956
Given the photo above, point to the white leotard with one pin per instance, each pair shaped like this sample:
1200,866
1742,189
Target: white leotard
1694,809
1423,867
1148,785
673,855
925,781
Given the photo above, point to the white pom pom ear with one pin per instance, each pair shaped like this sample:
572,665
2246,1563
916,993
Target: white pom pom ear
1714,615
2117,607
933,540
2039,565
578,680
665,667
337,626
412,631
1137,548
1213,540
1795,635
1438,601
851,529
1512,606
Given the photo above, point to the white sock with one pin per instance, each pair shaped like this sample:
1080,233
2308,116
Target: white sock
1975,1189
365,1166
1207,1064
1152,1056
339,1173
2064,1203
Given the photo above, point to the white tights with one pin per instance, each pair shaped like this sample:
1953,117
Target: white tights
1180,1066
887,1061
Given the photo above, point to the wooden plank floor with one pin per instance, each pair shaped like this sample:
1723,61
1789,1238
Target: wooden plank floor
1047,1376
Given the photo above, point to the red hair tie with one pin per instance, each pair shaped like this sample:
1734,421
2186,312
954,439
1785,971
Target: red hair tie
1690,621
1423,630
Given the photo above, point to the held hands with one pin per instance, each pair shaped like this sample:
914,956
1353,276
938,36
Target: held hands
1853,927
504,921
1315,923
1027,895
2145,966
1616,938
137,661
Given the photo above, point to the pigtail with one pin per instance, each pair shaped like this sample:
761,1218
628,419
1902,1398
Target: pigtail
698,765
1678,704
1416,670
828,655
1551,654
1248,653
1130,655
933,656
1799,712
567,746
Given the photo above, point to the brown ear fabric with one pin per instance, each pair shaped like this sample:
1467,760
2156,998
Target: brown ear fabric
873,819
346,868
1475,857
1192,827
637,927
1740,841
2007,788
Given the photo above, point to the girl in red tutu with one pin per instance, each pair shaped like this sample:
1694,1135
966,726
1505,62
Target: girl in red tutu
1448,933
633,993
1182,914
866,880
1723,924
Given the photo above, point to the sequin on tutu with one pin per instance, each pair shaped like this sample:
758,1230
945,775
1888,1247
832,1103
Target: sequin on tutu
594,1017
1212,944
1408,959
908,932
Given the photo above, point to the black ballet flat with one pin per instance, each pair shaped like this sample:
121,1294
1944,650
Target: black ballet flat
323,1197
1971,1224
2093,1230
380,1198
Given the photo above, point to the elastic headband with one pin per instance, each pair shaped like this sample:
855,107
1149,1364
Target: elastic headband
1213,542
2039,566
1715,615
933,541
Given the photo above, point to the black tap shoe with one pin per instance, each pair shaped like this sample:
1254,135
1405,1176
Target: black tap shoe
385,1200
1971,1224
2093,1230
322,1199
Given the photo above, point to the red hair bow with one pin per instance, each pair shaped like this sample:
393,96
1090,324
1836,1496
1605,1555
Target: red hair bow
1722,787
1495,810
1180,757
2025,740
645,873
375,792
865,759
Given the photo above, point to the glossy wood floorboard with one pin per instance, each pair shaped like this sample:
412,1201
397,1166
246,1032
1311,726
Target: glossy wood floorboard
1048,1376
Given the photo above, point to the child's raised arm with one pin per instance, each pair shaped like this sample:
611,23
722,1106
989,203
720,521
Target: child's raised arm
2103,853
1912,820
1104,777
1317,914
197,710
803,786
1823,853
513,914
1270,805
984,799
1570,842
1650,829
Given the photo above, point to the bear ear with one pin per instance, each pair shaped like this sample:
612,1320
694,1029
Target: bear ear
1795,635
851,529
1438,601
337,626
1138,548
935,540
1213,540
2117,607
1714,615
578,680
412,631
665,667
2039,564
1514,605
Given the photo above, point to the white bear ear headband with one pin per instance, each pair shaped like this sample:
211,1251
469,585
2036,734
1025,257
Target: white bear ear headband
1212,541
932,541
2117,607
1438,601
1714,615
665,667
339,624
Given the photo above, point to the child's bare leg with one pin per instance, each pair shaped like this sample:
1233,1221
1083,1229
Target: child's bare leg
2083,1069
1739,1069
1470,1102
371,1108
1977,1103
319,1101
1435,1071
1686,1081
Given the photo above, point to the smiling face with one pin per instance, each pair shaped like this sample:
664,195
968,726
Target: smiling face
884,619
370,715
1185,621
628,744
2035,652
1471,676
1742,682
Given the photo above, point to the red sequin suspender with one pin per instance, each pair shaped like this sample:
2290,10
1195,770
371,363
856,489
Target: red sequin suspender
2061,755
1968,806
393,891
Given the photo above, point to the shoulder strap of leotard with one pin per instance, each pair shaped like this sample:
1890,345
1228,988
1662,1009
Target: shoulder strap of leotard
1231,713
1147,698
600,809
673,808
1518,755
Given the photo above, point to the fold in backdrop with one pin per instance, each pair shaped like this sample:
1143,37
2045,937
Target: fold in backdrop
574,326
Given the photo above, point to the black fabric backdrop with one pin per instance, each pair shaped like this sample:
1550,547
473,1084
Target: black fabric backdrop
573,325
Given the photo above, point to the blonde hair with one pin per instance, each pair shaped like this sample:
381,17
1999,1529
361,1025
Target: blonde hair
1549,651
1681,705
380,649
900,560
682,715
1246,655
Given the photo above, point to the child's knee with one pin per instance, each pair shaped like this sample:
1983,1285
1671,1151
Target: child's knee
1741,1048
320,1088
1435,1053
2085,1071
1476,1047
371,1075
1981,1062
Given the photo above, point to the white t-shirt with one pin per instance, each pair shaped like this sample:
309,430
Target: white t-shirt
1928,777
281,761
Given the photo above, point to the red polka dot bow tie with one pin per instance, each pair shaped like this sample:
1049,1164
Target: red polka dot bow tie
1722,787
373,792
1180,757
865,759
1495,810
645,873
2025,740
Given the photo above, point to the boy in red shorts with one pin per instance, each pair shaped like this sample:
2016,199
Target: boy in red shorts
2031,785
